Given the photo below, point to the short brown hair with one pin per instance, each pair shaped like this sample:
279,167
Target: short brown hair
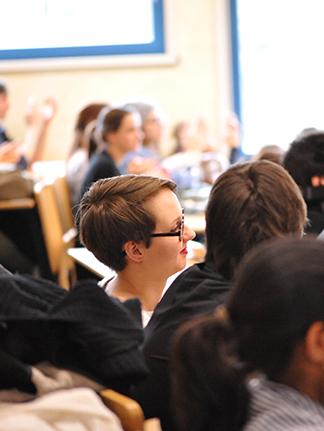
111,213
249,203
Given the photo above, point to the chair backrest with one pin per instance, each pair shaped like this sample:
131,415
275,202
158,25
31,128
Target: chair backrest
53,230
50,222
63,198
128,410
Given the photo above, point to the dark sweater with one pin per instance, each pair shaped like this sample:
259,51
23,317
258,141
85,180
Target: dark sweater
101,166
198,290
83,330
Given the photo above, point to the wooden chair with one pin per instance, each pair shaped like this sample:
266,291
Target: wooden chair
62,194
129,412
56,240
63,199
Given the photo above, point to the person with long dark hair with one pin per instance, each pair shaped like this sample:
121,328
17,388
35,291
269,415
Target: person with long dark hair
258,364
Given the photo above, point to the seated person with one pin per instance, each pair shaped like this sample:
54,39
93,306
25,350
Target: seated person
274,153
25,153
119,132
18,246
146,159
134,225
258,364
304,160
194,161
248,204
83,147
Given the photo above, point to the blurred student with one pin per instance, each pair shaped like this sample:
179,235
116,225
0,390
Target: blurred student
119,133
83,147
258,365
37,119
304,160
146,159
274,153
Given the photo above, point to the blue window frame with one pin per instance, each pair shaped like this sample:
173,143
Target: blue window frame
156,45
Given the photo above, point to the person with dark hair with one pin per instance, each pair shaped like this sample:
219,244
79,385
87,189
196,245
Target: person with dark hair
258,364
304,160
248,204
4,106
83,147
21,249
118,132
135,225
23,154
274,153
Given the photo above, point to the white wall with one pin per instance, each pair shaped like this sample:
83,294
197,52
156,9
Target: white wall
198,83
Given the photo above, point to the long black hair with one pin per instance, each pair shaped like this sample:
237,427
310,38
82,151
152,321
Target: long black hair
278,295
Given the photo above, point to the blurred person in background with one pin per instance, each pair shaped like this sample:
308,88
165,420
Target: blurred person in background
24,153
119,132
83,147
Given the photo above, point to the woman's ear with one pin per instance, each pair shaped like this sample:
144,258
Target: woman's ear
134,251
314,343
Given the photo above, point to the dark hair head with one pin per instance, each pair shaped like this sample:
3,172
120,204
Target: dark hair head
279,293
110,120
274,153
207,385
3,88
112,212
88,114
250,203
305,157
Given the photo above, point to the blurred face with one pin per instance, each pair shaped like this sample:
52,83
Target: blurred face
167,254
129,136
153,128
4,105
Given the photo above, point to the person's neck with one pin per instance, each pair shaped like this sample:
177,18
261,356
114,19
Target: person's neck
115,153
132,283
305,377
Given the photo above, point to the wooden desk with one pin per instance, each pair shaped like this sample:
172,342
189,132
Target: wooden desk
81,255
17,204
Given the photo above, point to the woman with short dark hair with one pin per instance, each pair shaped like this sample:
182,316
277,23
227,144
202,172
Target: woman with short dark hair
135,225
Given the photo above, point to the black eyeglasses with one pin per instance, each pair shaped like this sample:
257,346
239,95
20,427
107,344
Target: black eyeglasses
178,233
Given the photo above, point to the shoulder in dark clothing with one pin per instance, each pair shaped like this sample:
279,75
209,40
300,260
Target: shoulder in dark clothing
101,166
198,290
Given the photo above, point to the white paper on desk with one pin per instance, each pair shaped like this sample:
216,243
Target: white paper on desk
7,167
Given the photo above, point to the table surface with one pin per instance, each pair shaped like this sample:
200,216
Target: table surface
16,204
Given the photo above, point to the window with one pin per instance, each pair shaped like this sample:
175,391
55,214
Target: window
45,29
278,69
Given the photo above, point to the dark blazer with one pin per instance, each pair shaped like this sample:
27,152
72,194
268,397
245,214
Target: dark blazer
83,330
198,290
101,166
3,136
